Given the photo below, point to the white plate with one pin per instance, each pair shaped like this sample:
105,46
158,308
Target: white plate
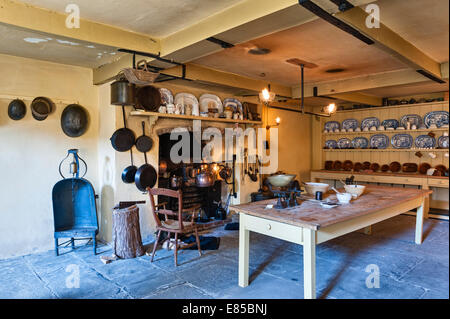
210,101
188,99
166,96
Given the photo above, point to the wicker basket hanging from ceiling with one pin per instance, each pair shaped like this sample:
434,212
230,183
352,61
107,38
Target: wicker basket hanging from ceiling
140,75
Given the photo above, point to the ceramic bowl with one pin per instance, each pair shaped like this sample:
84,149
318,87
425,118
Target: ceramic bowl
344,198
355,190
312,188
280,180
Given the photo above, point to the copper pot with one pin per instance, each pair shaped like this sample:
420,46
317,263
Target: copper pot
205,179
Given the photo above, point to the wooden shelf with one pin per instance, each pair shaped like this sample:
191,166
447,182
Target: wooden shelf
193,117
388,150
377,108
389,131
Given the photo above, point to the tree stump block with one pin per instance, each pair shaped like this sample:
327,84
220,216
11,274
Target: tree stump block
127,241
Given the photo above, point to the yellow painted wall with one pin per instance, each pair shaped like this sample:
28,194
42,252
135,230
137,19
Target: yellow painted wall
31,151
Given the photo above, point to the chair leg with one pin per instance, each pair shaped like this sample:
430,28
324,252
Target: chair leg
56,247
155,244
198,242
176,250
94,240
72,242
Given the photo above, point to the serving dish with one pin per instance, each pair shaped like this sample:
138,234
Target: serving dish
402,141
438,118
332,125
350,124
414,119
347,165
357,167
344,143
443,141
337,165
370,122
390,123
166,96
234,104
425,141
360,142
331,144
379,141
210,101
187,100
424,167
409,167
395,167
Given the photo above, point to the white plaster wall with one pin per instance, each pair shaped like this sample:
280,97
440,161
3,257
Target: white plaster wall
31,151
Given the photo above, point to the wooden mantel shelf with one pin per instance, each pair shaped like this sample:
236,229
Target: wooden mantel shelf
192,117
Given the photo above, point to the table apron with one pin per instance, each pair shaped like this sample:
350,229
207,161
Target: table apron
272,228
327,233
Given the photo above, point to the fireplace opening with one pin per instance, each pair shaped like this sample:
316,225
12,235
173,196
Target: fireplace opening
182,176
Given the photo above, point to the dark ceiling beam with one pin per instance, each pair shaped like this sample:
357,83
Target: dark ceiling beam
321,13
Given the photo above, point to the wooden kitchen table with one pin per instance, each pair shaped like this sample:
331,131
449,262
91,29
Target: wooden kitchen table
309,224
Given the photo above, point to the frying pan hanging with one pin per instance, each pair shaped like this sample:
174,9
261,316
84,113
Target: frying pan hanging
144,143
148,98
129,172
145,176
123,139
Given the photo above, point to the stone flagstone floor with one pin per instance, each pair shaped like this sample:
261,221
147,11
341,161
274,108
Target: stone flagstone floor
406,270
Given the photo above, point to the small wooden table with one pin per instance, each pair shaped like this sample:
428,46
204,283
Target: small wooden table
309,224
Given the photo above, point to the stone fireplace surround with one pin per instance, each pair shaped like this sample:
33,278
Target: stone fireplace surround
154,128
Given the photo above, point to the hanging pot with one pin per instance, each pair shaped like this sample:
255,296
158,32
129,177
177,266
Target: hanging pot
74,120
148,98
123,139
41,107
129,173
122,93
17,110
144,143
145,176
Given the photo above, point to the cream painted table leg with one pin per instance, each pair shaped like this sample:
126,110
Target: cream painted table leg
309,263
419,223
244,242
427,203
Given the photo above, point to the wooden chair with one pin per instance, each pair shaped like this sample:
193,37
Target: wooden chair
176,225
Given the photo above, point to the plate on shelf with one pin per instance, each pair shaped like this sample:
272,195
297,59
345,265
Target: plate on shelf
402,141
344,143
210,101
166,96
331,144
390,123
332,125
414,119
425,141
350,124
443,141
370,122
360,142
234,104
439,118
380,141
186,99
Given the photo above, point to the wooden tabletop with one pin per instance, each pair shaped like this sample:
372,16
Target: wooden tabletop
312,215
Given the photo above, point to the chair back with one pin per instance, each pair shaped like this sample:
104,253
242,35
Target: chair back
157,210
